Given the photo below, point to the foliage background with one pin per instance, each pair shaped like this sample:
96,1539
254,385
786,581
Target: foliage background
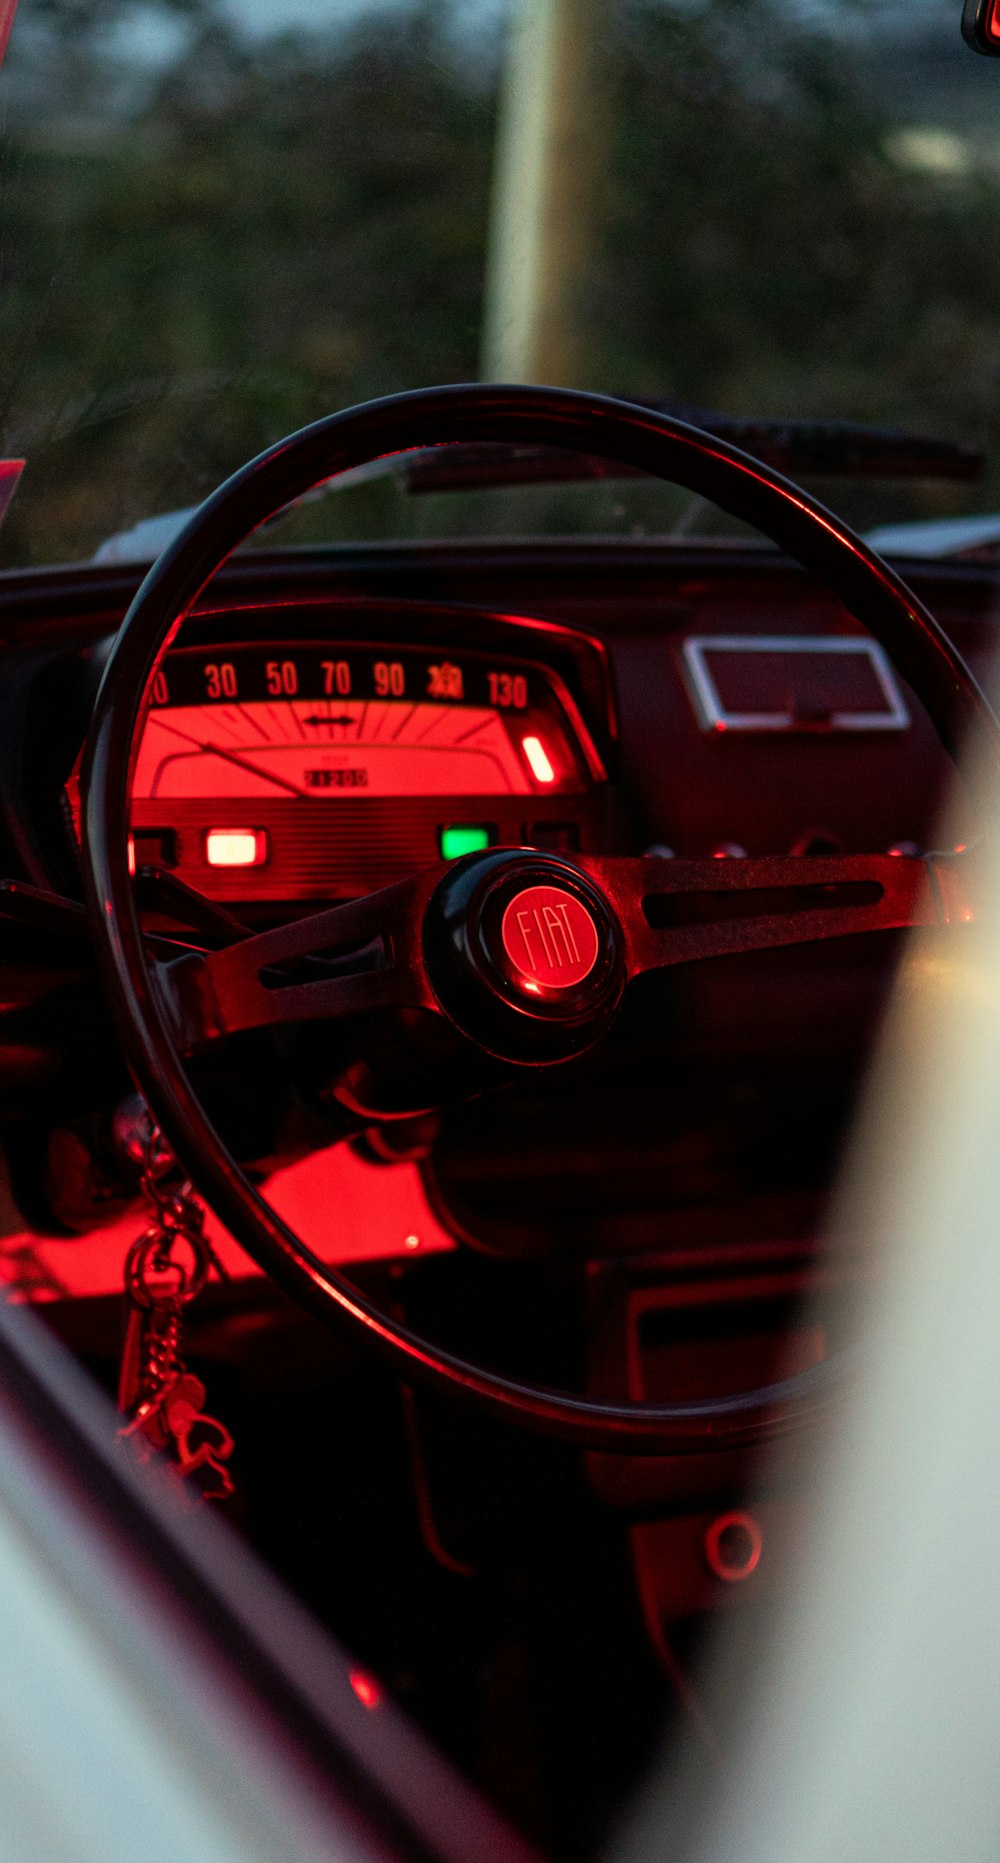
202,250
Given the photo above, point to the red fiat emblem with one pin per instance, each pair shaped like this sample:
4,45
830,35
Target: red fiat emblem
550,938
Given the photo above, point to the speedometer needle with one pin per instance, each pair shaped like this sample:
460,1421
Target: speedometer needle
232,756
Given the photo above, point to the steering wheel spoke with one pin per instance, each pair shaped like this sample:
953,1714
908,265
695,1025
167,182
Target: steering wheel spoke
685,911
347,960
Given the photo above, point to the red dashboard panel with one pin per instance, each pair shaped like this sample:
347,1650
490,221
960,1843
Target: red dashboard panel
271,771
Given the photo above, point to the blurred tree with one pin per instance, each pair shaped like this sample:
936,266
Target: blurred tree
203,248
264,232
770,252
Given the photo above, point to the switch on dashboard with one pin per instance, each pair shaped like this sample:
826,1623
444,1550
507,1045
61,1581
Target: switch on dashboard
555,837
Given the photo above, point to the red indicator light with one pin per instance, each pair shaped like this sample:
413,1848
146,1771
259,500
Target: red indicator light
537,756
368,1691
131,856
733,1545
235,847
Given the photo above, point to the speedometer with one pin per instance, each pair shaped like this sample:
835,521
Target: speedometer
300,771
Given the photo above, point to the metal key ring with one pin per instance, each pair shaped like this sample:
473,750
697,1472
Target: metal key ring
146,1256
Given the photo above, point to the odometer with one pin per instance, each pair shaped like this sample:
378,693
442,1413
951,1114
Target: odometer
328,767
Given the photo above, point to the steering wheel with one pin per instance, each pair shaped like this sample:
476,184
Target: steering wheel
507,959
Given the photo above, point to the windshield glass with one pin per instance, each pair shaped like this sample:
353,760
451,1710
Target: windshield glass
221,221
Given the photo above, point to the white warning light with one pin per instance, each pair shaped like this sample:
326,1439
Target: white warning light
235,847
537,756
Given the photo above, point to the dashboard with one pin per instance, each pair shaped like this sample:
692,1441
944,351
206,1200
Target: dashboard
329,721
309,747
316,751
642,1223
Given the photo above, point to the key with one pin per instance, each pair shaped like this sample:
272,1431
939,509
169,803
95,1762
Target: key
201,1444
130,1373
163,1403
150,1365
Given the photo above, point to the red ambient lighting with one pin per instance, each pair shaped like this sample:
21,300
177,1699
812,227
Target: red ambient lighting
537,756
235,847
368,1691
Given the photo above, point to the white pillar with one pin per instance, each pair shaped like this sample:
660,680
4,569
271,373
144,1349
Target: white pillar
547,179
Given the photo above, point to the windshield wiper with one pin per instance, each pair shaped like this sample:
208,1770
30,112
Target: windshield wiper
808,448
800,448
842,449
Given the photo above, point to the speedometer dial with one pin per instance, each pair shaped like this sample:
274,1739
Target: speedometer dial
282,772
329,749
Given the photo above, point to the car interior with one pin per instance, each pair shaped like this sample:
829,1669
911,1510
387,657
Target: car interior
453,874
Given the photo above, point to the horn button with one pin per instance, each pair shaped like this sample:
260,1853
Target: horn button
525,954
550,939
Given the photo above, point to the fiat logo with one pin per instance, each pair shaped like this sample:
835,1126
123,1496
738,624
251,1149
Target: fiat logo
550,938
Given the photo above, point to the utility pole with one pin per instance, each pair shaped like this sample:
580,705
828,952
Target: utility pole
548,178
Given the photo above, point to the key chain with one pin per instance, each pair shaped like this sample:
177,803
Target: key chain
166,1268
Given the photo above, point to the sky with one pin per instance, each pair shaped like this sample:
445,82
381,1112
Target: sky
151,35
267,15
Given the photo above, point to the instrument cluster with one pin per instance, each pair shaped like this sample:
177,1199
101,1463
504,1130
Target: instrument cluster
315,768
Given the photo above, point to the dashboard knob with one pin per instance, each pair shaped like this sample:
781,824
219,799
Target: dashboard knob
733,1545
819,843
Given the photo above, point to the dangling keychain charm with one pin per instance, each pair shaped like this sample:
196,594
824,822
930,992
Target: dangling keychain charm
162,1401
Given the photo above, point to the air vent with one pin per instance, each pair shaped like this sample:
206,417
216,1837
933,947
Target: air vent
764,682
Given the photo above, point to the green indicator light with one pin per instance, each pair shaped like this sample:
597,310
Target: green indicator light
463,838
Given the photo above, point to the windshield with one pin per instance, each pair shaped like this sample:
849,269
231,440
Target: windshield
221,221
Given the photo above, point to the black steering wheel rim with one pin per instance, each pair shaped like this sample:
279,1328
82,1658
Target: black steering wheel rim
616,430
